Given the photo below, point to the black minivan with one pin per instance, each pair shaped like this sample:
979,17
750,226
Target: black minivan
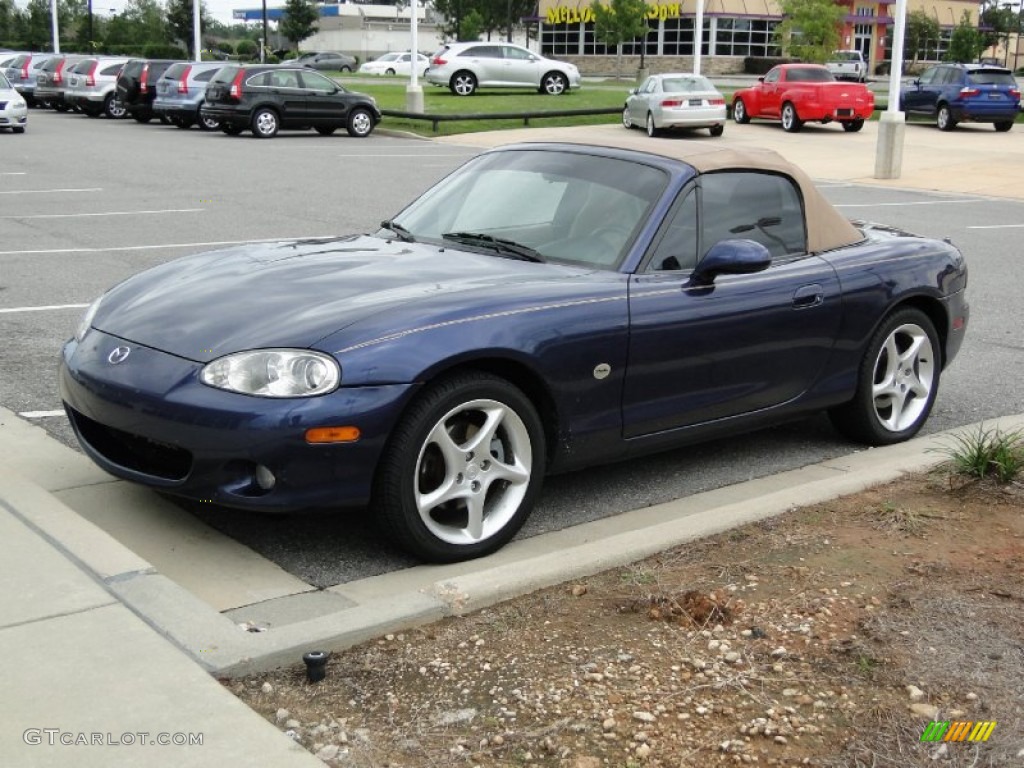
266,98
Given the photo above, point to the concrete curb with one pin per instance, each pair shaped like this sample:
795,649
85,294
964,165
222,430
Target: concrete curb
398,601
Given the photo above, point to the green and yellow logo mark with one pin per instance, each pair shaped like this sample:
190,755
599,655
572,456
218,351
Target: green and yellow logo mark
958,731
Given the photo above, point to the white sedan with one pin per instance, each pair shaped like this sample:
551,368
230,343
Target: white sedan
675,101
13,110
395,63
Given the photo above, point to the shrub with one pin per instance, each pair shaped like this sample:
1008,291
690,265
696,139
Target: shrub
245,48
163,51
987,453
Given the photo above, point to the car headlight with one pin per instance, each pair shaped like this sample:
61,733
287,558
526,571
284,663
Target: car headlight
274,373
18,103
86,322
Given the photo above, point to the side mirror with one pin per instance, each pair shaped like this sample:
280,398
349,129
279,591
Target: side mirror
760,79
731,257
634,91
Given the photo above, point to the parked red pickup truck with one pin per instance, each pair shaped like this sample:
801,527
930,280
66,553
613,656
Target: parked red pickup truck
802,93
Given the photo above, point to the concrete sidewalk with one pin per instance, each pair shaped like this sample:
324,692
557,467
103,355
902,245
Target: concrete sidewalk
101,645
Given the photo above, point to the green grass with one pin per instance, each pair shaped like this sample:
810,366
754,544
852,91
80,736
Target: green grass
390,95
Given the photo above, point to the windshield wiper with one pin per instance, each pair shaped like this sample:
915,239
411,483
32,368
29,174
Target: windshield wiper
499,244
403,234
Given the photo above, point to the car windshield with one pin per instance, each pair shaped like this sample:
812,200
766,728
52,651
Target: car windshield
686,84
388,57
3,82
566,206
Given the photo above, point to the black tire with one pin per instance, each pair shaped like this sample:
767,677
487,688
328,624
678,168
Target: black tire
852,126
265,123
1003,125
896,383
360,123
739,112
62,107
114,108
944,118
554,84
652,129
324,130
463,83
717,130
500,480
791,122
627,122
346,69
231,130
389,71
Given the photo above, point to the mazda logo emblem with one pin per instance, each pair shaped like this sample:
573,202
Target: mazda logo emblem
119,355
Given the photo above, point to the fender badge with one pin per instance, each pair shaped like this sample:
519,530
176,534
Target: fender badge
602,371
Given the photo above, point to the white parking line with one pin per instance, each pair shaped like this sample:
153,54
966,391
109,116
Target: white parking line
48,191
165,245
103,213
12,173
896,205
47,308
40,414
996,226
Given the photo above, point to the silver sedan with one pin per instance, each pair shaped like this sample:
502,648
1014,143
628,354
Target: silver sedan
675,101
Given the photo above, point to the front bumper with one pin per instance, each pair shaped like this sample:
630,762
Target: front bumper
150,420
13,116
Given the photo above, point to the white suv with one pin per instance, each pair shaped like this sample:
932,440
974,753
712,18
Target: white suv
464,67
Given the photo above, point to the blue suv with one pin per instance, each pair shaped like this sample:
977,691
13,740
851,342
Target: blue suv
960,93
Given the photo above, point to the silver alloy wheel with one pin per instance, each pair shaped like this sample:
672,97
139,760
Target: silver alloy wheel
473,472
115,108
790,122
626,121
463,83
944,119
739,112
554,83
360,123
264,124
208,123
903,377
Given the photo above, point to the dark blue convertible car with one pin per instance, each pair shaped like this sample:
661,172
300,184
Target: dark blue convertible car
546,307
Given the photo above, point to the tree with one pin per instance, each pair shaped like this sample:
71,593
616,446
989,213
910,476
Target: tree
300,20
921,36
966,43
620,22
462,21
809,29
1002,22
9,14
179,22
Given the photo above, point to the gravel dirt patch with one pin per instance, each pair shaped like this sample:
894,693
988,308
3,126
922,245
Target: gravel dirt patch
829,636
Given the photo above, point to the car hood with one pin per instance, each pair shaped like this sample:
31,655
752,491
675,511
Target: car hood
296,293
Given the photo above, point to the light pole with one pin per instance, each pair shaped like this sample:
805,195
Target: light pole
892,123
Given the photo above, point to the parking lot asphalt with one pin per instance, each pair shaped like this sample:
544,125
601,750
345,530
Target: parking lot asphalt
231,610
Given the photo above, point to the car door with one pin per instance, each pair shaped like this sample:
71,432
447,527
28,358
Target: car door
919,97
484,61
521,66
768,102
289,95
639,99
701,352
325,103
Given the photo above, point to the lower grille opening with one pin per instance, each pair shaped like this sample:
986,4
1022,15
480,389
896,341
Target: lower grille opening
134,451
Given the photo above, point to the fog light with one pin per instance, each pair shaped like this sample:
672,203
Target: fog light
265,478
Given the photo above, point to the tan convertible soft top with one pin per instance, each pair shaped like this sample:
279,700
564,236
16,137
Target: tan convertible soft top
826,227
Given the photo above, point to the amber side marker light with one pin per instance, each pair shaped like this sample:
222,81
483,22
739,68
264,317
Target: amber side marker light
319,435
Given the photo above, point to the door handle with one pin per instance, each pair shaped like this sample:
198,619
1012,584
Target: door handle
808,296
